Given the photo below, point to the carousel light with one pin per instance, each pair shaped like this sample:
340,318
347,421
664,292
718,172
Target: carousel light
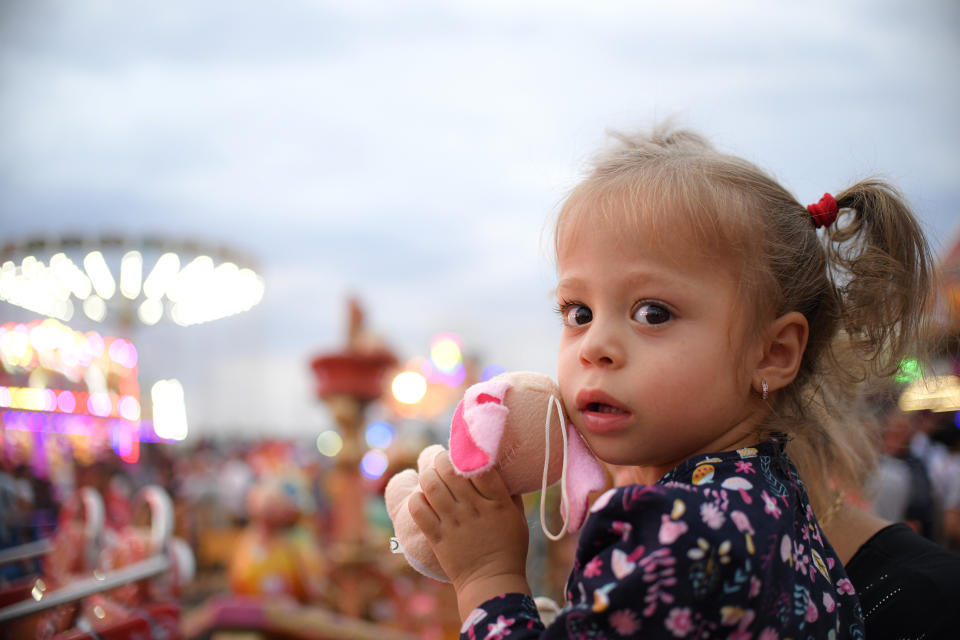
71,276
95,308
99,404
35,287
131,273
39,337
163,273
150,276
47,400
20,341
129,408
192,280
94,344
123,353
150,311
125,441
66,402
100,276
169,410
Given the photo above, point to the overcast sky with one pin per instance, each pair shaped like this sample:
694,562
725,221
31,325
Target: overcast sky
413,153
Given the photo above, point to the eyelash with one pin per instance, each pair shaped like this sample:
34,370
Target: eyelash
565,305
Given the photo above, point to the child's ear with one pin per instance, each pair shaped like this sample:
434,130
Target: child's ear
783,351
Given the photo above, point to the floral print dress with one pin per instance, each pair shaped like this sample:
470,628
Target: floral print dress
725,545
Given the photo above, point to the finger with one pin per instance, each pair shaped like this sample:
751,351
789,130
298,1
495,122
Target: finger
425,459
490,485
460,487
423,515
437,492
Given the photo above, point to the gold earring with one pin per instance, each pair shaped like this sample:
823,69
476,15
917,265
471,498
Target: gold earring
763,389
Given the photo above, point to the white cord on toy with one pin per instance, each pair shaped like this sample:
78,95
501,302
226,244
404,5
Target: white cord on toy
553,400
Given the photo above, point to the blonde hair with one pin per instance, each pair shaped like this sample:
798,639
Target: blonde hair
864,285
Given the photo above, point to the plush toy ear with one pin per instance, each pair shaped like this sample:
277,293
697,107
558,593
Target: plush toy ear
477,427
584,474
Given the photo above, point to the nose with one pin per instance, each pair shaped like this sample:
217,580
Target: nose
602,345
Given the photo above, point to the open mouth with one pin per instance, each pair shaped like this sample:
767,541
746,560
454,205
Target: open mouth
599,407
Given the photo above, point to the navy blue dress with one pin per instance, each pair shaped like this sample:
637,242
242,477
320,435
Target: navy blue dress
725,545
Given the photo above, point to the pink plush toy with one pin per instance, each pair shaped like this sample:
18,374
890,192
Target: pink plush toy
503,423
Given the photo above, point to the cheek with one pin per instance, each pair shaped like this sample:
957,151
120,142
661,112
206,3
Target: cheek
566,378
566,356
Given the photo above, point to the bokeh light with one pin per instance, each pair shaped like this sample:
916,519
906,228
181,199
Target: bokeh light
99,404
169,409
66,402
329,443
445,353
131,274
910,370
491,371
48,400
123,353
150,311
95,308
409,387
95,344
129,408
373,464
456,377
380,435
453,379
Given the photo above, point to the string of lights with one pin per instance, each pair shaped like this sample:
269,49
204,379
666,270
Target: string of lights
120,279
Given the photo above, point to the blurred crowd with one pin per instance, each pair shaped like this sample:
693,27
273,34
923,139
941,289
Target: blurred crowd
917,480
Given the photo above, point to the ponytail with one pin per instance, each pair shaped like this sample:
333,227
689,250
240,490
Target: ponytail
872,312
881,263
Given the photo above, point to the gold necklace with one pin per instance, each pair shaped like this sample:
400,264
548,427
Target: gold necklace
832,511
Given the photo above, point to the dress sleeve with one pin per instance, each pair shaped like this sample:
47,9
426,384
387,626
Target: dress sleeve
511,615
654,560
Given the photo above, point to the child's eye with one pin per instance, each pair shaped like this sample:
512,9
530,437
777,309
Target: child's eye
575,315
651,313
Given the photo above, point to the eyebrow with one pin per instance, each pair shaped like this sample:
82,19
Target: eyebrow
644,278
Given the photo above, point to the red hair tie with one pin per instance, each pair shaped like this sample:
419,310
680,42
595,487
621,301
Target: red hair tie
823,213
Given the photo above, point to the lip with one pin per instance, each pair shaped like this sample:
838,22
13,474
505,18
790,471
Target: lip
601,422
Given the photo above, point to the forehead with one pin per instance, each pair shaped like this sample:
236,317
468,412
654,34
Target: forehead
607,257
631,222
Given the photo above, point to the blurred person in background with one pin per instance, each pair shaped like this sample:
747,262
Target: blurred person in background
945,475
901,489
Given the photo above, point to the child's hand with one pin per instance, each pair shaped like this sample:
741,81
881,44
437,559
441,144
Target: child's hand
477,531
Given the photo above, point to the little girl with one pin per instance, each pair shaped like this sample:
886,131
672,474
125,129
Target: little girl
708,327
